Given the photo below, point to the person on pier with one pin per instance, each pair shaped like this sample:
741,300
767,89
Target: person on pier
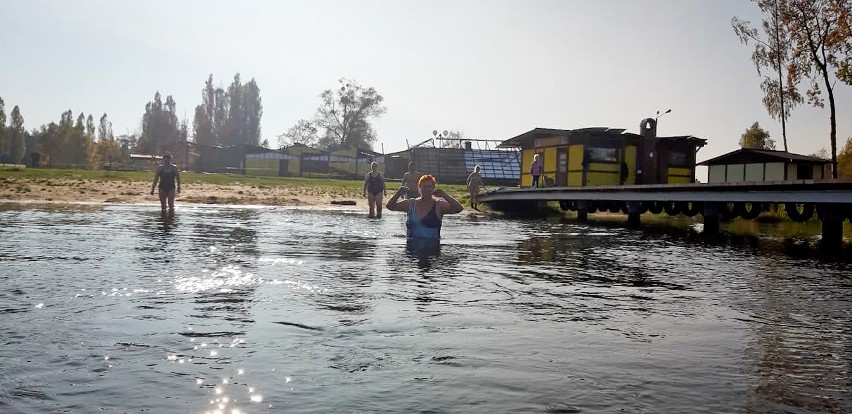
474,182
536,170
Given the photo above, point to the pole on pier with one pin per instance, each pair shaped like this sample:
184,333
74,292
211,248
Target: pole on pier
712,219
634,212
832,225
583,211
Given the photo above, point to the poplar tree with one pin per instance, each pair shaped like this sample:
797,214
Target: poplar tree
3,144
16,135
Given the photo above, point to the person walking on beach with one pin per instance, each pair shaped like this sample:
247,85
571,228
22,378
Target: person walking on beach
374,188
409,180
474,181
425,212
535,170
167,175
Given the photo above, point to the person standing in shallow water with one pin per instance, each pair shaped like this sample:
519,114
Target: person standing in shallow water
374,188
167,176
425,213
474,181
410,180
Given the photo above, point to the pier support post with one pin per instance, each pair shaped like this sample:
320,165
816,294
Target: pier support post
712,219
583,211
634,212
832,225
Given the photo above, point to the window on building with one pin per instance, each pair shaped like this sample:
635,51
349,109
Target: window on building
677,159
804,172
602,154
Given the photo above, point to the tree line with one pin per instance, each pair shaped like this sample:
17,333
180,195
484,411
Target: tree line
235,119
801,41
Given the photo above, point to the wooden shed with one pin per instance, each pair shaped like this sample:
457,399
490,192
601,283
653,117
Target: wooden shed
756,165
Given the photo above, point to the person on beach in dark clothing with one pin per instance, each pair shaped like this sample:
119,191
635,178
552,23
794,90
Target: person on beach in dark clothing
374,188
168,177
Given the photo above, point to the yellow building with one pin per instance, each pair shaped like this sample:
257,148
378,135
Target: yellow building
607,156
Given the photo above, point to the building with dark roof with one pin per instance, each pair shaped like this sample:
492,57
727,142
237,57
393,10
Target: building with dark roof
755,165
607,156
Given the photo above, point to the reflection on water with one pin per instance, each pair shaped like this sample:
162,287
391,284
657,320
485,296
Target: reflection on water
218,309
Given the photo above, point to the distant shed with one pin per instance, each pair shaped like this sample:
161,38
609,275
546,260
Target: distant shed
755,165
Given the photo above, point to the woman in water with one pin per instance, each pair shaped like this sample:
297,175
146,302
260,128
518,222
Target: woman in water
167,175
374,188
474,181
425,212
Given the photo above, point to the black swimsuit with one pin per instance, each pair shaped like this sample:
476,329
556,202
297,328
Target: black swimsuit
375,184
167,178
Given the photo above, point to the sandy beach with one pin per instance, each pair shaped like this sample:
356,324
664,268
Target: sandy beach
138,192
29,189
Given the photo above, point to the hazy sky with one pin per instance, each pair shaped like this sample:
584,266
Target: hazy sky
492,69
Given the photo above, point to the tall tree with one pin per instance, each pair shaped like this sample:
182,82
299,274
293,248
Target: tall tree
105,129
204,120
16,135
202,129
160,129
304,133
90,127
771,54
50,139
108,149
345,115
220,116
252,110
236,114
80,148
819,34
756,137
4,147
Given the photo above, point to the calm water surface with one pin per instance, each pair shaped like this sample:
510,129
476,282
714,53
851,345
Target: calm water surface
267,310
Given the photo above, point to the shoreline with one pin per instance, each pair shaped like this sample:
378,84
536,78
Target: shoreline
86,191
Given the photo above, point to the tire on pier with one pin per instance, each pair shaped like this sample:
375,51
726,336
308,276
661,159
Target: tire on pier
672,208
568,205
691,208
728,211
615,206
748,211
792,210
655,207
643,207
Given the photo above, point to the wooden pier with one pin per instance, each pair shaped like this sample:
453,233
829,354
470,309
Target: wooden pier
830,200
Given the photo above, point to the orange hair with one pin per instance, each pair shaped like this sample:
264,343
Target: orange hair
426,177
